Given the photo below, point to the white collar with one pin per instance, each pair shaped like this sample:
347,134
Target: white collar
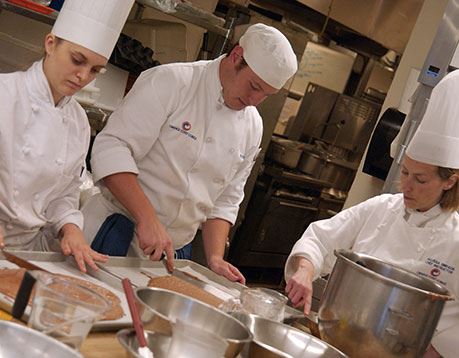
216,84
420,219
38,86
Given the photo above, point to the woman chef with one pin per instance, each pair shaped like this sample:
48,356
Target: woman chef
44,132
417,229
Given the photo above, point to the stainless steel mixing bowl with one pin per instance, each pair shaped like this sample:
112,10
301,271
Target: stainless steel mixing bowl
158,343
277,340
20,341
158,308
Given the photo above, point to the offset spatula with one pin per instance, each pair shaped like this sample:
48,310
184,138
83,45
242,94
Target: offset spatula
15,259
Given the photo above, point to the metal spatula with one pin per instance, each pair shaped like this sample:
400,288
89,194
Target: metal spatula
143,350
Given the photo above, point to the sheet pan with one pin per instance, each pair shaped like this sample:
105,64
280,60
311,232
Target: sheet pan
134,268
58,263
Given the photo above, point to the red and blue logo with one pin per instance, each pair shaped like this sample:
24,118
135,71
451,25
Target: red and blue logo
435,272
186,126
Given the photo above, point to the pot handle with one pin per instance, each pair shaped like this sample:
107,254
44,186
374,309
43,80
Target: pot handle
23,295
311,322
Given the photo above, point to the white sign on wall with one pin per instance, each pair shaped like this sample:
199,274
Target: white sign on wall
323,66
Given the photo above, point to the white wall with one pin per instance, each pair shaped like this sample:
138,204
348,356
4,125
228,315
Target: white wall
366,186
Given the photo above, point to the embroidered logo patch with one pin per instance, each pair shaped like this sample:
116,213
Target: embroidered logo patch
183,131
438,270
186,126
435,272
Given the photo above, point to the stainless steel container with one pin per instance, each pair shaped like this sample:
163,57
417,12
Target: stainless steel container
19,341
286,152
158,343
158,308
374,309
338,173
276,340
311,163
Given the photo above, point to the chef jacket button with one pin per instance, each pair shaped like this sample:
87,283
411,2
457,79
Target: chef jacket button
35,108
194,170
15,192
217,180
209,140
219,106
36,197
64,118
202,207
26,150
9,226
59,162
232,150
419,248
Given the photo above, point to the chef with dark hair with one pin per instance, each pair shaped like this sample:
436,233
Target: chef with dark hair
175,156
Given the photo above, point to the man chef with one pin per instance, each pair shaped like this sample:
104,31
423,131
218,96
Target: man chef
177,153
44,132
417,229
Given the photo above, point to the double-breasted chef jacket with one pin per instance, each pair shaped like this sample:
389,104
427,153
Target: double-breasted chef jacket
192,154
426,243
42,156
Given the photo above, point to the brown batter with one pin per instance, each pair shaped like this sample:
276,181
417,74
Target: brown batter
10,280
177,285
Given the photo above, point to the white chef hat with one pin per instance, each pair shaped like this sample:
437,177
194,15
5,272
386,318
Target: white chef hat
269,54
436,141
95,25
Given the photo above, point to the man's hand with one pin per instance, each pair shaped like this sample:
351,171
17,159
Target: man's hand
151,234
225,269
73,243
154,241
299,286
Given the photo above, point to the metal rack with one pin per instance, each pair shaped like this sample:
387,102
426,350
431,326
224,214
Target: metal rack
180,10
47,19
183,11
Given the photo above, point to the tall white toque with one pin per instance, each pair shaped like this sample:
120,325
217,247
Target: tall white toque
269,54
93,24
436,140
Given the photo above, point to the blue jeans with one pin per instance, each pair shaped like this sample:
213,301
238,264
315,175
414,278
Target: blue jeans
115,236
183,253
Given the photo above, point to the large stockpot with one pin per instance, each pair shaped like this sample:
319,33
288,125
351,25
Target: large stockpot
371,308
160,308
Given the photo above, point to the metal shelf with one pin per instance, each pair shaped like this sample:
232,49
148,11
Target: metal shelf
183,11
47,19
193,15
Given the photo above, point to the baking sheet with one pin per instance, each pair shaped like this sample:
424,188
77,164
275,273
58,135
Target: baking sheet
58,263
132,267
138,270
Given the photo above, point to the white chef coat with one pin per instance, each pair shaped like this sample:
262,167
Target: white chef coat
192,154
42,155
425,243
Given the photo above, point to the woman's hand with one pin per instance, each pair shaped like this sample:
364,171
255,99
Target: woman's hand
299,286
73,243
